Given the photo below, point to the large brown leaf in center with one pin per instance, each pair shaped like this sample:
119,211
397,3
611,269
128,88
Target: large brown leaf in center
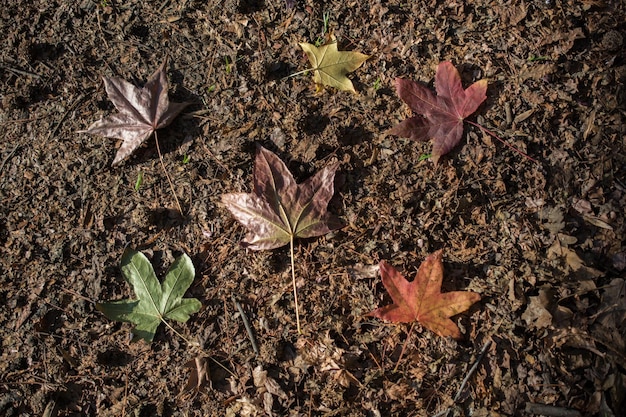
279,209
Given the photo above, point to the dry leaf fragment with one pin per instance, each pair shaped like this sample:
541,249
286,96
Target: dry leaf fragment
572,262
330,65
439,117
422,300
537,314
613,305
279,209
199,375
141,111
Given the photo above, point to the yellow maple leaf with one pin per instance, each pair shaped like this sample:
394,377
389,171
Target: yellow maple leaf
330,65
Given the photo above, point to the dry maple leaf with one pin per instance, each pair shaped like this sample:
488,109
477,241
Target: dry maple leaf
141,111
279,209
330,65
439,117
422,300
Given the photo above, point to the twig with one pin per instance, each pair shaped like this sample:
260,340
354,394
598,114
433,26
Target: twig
550,410
125,400
467,377
20,72
100,27
246,324
4,161
472,369
197,346
30,119
67,112
224,167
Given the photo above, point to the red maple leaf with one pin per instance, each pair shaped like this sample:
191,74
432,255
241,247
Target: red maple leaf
422,300
439,117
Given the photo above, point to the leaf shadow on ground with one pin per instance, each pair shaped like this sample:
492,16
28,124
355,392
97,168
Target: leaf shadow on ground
114,357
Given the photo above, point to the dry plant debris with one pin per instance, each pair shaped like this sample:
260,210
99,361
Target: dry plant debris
141,111
421,300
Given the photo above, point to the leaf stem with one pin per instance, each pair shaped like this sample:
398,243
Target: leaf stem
295,74
408,337
295,290
491,133
169,180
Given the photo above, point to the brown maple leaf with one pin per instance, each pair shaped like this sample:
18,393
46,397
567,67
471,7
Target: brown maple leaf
141,111
439,117
280,210
422,300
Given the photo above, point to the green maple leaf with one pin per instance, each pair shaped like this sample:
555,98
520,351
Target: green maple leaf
156,302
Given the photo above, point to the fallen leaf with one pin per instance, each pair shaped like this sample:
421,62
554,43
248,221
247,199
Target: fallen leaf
613,304
156,302
573,263
439,117
279,209
141,111
537,314
261,380
422,300
330,65
199,375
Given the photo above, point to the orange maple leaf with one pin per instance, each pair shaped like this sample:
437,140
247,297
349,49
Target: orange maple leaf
422,300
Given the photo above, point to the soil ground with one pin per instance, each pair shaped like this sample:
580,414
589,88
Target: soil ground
543,243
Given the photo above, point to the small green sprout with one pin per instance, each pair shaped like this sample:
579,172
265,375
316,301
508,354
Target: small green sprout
186,159
228,67
532,58
425,156
377,84
211,88
326,20
139,181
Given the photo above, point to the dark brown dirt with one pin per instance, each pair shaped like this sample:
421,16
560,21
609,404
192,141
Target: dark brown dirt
542,243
